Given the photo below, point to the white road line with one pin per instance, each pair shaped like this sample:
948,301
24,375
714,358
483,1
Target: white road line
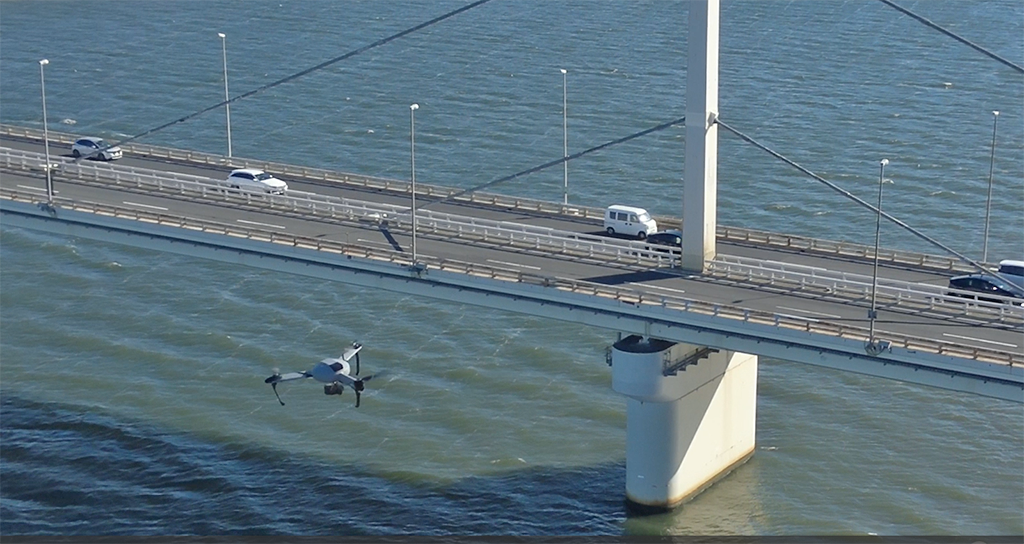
40,189
143,205
833,316
657,287
261,224
979,340
514,264
803,317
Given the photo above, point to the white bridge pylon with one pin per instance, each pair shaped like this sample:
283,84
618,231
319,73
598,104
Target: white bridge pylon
700,169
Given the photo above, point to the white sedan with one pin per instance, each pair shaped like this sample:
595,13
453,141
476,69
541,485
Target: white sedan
91,148
256,180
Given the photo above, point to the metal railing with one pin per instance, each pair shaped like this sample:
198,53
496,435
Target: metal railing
632,300
804,281
593,215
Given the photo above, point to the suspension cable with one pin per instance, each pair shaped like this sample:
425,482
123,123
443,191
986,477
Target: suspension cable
558,161
308,71
852,197
952,35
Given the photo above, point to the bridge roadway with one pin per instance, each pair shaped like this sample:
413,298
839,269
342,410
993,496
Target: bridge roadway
956,331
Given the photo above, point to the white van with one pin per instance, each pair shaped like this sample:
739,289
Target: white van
1013,270
629,221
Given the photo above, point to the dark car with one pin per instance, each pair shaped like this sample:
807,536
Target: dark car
982,283
665,240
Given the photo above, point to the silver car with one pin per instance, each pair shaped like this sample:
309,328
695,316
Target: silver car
91,147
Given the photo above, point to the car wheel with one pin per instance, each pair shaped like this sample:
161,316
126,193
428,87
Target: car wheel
76,153
641,235
611,231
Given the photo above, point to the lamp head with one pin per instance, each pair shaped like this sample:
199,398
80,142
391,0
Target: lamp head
884,162
221,35
44,62
562,70
414,107
996,113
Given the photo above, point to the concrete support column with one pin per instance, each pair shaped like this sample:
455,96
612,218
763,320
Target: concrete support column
690,417
700,170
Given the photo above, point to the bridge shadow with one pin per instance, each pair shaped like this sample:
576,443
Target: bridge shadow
391,239
632,277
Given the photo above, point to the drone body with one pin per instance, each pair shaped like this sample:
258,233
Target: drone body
335,373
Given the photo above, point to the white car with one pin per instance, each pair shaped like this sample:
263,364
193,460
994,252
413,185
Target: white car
90,147
256,180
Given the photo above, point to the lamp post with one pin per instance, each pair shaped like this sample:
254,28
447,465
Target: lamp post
872,314
412,145
227,97
565,143
988,203
46,134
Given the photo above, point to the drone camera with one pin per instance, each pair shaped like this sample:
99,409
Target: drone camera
333,389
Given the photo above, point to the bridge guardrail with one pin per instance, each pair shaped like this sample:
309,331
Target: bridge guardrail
591,214
624,295
782,277
931,299
541,239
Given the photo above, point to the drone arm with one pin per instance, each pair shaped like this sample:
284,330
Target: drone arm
278,378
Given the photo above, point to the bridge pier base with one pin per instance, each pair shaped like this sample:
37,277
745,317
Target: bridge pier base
689,419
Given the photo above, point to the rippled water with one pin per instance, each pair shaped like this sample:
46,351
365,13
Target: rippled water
131,381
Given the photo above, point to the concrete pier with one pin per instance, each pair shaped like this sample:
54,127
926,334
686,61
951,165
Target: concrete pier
690,417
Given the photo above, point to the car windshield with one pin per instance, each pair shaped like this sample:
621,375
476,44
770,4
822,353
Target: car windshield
644,217
263,176
99,143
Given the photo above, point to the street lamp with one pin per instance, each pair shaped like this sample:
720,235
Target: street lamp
872,347
412,145
46,134
565,143
227,97
988,203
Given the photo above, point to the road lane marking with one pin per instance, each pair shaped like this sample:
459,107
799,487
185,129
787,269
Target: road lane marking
979,340
260,224
40,189
514,264
657,287
801,317
125,202
833,316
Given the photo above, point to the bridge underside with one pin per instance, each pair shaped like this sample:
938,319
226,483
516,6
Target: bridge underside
978,377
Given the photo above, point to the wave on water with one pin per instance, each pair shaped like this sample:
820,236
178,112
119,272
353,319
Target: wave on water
68,470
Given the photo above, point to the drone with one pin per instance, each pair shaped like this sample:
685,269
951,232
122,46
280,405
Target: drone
332,372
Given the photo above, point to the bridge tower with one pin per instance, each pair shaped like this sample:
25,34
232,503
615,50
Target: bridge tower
690,417
700,170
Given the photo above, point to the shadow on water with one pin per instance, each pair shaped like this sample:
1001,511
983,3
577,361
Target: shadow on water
67,471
